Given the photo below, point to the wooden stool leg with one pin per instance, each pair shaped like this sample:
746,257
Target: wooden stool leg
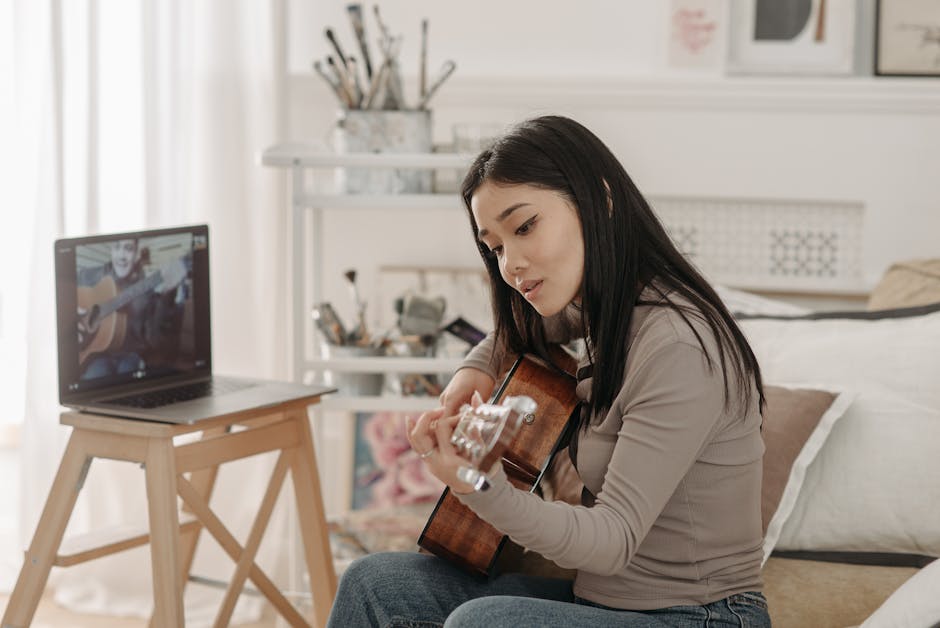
312,518
228,542
164,533
204,482
247,559
48,536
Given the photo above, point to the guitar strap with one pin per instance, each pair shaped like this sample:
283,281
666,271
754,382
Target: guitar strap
585,372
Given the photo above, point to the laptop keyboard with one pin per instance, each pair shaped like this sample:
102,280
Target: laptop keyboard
158,398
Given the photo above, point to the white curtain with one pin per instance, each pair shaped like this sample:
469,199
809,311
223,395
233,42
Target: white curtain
138,114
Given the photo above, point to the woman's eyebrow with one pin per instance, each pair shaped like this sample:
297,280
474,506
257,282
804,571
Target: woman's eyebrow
503,215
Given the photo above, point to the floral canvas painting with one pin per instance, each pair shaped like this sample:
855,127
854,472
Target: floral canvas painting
387,471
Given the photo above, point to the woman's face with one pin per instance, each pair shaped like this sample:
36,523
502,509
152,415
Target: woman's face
535,236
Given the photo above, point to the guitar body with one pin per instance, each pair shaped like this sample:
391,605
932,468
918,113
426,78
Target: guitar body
103,333
453,531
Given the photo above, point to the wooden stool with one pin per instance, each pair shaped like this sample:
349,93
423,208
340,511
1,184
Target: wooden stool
284,428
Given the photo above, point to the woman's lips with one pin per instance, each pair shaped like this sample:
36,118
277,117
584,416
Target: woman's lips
530,290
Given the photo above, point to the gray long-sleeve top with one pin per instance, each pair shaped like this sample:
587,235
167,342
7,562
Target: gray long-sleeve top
677,477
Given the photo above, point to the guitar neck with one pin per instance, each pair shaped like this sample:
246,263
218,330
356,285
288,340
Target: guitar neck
129,294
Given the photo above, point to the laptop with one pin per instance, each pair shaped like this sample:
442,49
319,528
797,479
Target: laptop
134,332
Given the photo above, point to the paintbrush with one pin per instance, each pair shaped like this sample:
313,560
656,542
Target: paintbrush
423,66
446,70
355,17
394,96
377,87
343,78
359,335
378,80
353,69
336,46
333,83
378,19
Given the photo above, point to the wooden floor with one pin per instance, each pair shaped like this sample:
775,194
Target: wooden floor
51,615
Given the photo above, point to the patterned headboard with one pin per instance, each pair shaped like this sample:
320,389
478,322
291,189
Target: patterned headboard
770,245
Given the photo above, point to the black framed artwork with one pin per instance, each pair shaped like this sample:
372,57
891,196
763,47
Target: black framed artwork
907,38
796,37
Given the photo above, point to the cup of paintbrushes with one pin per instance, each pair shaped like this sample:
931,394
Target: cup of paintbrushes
349,383
380,131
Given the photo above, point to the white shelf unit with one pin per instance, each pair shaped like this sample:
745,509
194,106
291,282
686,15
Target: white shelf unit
307,247
334,423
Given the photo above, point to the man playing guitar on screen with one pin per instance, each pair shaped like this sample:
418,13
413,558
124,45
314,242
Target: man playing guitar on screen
126,318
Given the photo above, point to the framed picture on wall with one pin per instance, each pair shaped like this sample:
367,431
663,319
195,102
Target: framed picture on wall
698,36
792,37
907,38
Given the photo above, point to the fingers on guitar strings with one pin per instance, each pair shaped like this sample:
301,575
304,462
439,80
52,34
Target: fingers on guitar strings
421,437
443,430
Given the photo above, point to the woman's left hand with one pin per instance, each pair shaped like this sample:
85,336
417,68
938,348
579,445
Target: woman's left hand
430,438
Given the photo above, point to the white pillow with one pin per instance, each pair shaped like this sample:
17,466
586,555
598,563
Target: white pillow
916,603
741,302
875,484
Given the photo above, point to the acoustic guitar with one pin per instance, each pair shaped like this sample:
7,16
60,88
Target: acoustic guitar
105,325
525,439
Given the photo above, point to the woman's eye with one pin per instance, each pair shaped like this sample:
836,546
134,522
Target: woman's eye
492,252
526,227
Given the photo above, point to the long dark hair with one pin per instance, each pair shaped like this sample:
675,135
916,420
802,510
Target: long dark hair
623,239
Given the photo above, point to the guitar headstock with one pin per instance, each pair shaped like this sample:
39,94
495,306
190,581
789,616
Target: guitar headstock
484,432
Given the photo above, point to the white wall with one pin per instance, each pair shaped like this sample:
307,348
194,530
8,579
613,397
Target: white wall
489,38
865,139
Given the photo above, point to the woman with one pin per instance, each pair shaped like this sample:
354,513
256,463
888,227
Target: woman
669,447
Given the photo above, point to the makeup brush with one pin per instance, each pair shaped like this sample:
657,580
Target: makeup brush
359,335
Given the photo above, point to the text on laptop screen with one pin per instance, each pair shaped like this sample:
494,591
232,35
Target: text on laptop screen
132,308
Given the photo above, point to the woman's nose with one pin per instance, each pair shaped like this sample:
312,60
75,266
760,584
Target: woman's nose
514,267
513,260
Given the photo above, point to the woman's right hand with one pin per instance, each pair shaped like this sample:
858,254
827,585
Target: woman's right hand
461,387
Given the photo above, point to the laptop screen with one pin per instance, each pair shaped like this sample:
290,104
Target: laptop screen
132,307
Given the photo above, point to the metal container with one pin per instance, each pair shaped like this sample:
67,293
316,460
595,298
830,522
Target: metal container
380,131
352,384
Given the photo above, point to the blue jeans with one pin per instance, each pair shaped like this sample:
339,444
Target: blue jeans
410,590
116,364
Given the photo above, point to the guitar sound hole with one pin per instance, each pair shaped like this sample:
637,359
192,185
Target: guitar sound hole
93,317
